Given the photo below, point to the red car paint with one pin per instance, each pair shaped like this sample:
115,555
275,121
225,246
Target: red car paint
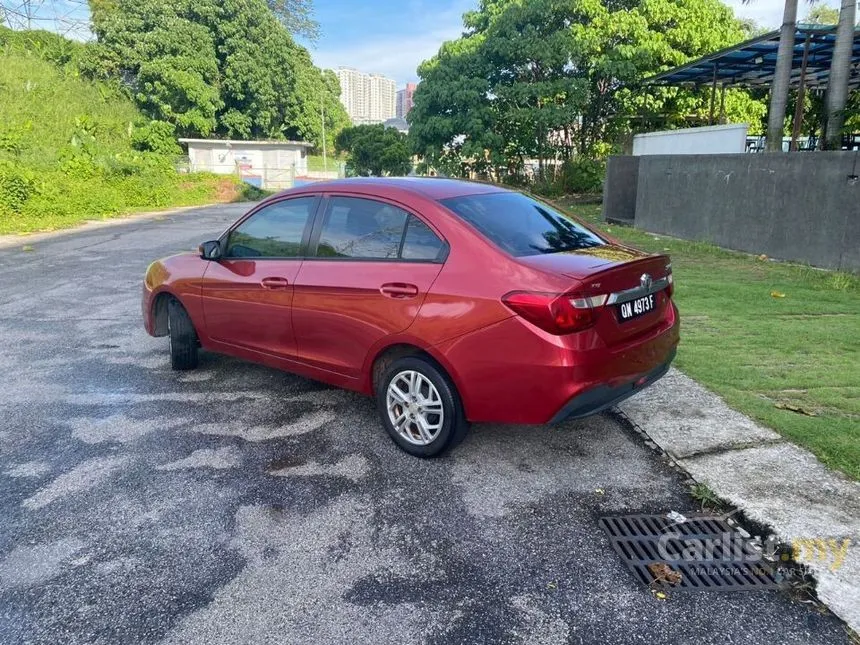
330,319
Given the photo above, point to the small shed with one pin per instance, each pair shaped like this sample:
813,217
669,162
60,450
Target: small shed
272,165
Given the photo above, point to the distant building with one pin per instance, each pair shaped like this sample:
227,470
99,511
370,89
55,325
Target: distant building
398,123
404,100
354,87
273,165
368,98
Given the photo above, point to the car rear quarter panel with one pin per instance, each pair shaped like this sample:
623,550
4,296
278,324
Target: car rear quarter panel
467,292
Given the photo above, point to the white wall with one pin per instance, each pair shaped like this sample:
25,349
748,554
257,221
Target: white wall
276,165
714,139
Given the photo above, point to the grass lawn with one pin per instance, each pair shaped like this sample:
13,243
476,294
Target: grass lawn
332,162
779,342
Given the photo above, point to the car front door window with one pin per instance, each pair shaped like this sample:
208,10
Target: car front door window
275,231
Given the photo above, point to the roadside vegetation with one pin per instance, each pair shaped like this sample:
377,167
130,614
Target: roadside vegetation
74,149
777,341
89,130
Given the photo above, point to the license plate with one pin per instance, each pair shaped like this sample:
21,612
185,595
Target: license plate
635,308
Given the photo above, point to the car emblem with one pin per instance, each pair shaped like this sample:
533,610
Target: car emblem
645,281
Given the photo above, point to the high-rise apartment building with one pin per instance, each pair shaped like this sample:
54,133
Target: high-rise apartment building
404,100
368,98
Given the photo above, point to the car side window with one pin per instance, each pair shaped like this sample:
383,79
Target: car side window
275,231
420,243
361,228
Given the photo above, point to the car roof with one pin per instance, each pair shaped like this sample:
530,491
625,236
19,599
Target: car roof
436,188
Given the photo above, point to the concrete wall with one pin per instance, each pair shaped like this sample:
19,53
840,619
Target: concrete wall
803,207
619,201
710,139
270,165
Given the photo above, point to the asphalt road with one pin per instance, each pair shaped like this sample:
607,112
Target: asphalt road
236,504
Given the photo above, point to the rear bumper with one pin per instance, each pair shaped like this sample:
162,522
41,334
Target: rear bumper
604,396
511,372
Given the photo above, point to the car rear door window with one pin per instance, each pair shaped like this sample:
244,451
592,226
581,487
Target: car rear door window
275,231
420,243
361,228
521,225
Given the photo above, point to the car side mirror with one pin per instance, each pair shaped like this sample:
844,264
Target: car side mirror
210,250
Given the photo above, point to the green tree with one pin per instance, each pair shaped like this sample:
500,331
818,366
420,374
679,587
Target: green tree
297,16
821,14
453,124
316,97
222,67
548,79
167,60
374,150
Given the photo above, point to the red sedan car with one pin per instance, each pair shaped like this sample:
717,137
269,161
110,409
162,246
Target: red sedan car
448,301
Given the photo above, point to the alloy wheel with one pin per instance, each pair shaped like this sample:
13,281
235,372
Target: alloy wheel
415,407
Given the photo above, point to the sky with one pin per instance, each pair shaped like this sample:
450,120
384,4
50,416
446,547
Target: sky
392,37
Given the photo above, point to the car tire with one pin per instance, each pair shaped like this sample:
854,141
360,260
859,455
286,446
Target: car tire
183,338
427,433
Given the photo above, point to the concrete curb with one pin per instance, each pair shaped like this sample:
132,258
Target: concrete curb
775,482
24,239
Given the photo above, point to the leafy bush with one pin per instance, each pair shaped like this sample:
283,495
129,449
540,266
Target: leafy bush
374,150
515,180
548,186
56,199
17,184
77,164
583,175
13,137
155,136
47,45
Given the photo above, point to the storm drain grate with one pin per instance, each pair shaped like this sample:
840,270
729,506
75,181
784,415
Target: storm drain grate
703,553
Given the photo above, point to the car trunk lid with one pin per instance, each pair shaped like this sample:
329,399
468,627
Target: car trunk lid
625,276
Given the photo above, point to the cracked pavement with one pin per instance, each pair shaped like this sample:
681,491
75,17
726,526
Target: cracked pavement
237,504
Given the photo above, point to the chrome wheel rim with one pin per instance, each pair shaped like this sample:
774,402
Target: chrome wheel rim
415,407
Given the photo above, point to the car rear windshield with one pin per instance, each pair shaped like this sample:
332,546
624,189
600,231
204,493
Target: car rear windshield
521,225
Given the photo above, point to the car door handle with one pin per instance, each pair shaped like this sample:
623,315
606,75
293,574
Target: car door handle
274,283
399,290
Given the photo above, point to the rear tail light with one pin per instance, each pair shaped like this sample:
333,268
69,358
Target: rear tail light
556,313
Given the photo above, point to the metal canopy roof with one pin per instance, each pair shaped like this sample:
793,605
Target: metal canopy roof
752,63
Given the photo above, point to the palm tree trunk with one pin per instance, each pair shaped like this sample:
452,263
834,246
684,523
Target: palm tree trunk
837,84
781,78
